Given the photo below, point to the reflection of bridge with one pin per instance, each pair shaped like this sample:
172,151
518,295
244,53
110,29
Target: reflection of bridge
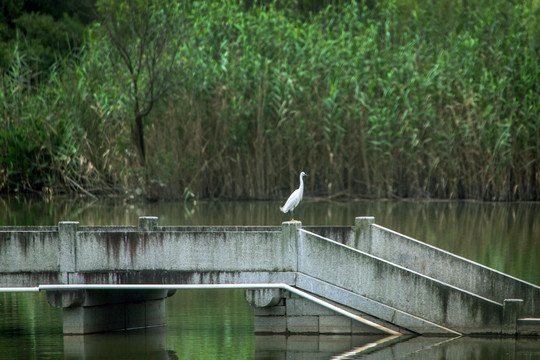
367,279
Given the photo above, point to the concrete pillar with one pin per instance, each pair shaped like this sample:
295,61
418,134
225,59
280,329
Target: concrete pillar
263,297
67,238
296,315
511,313
269,310
289,244
362,232
94,311
148,223
269,304
66,298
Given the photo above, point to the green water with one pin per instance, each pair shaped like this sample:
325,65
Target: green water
201,324
219,324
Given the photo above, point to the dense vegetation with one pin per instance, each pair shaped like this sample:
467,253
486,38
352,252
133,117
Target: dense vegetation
371,99
42,30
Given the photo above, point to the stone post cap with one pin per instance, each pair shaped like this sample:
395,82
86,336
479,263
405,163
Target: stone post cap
148,223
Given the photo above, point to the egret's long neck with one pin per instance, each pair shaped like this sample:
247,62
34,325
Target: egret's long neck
301,187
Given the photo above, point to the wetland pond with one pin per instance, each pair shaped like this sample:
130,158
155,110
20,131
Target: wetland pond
218,324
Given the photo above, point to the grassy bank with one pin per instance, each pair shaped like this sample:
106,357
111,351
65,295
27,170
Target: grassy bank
398,99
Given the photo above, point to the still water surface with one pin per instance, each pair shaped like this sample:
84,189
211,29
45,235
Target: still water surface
219,324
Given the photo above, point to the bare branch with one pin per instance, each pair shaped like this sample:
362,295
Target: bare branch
143,34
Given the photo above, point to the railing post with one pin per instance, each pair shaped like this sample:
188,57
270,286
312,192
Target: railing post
362,232
289,250
511,312
67,236
148,223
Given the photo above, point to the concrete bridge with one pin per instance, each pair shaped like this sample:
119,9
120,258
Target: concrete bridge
346,280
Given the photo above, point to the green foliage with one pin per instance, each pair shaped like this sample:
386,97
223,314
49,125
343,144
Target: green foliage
371,99
41,139
144,36
397,99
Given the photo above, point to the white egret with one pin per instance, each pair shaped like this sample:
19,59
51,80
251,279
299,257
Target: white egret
295,198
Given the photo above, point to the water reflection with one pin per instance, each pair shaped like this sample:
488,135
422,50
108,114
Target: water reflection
311,346
210,324
140,344
218,324
425,347
29,327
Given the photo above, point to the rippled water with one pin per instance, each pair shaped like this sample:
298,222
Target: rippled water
219,324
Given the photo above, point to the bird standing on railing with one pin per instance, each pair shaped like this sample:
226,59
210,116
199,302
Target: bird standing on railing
295,198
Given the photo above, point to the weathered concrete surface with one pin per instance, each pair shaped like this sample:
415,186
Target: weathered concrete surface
193,251
446,267
182,277
31,278
294,314
396,286
150,254
372,310
528,327
29,251
340,234
264,297
92,311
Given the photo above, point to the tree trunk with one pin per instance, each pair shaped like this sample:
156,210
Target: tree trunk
138,137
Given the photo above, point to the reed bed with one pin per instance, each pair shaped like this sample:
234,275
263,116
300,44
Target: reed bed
397,99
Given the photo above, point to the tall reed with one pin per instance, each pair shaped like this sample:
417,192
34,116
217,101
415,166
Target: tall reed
392,99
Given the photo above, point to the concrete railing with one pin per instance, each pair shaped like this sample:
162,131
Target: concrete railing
445,266
71,254
396,286
366,278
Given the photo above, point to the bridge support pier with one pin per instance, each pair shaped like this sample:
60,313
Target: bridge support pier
281,312
94,311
